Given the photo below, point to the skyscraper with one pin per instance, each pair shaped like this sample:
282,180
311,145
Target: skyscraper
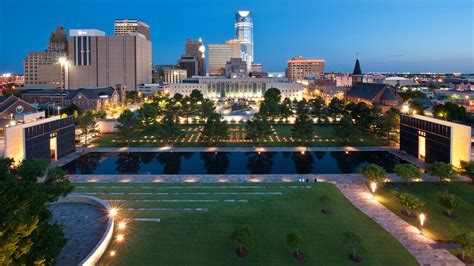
198,50
190,64
127,26
244,34
42,69
97,60
220,54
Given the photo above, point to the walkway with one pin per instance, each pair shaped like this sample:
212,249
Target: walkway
83,226
418,245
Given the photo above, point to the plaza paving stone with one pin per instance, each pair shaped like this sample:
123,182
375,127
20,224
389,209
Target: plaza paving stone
83,226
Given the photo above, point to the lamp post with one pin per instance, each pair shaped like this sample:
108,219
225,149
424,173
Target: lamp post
422,218
64,63
373,187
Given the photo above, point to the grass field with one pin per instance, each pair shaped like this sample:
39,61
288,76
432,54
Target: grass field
201,238
281,137
437,226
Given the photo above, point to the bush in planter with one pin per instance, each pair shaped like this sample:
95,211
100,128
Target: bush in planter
409,202
243,235
443,171
353,243
373,173
467,169
451,202
325,201
294,241
407,172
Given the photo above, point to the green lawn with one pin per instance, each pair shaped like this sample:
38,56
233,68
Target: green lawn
324,137
201,238
437,226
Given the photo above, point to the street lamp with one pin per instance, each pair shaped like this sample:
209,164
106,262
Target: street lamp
405,109
64,63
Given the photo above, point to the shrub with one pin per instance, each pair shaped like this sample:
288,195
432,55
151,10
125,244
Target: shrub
352,242
409,202
467,169
443,171
407,172
373,173
450,201
295,240
243,235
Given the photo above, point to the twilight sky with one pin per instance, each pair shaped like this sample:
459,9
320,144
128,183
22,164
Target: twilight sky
390,35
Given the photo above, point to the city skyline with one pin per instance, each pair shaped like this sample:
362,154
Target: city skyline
391,37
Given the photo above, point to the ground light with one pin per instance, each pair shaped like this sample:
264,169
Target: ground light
112,253
120,238
121,225
422,221
373,187
113,212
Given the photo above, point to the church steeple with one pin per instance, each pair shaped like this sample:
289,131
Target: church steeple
357,73
357,70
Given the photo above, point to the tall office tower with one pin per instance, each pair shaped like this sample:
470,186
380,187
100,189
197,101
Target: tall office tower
42,69
198,50
190,64
127,26
220,54
244,33
300,68
96,60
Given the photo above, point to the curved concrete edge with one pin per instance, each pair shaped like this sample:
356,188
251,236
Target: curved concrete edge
94,256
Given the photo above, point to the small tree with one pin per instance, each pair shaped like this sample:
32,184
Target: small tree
294,241
127,125
443,171
354,243
346,131
214,129
450,201
373,173
325,201
258,127
466,240
303,128
407,172
409,202
243,235
87,125
468,169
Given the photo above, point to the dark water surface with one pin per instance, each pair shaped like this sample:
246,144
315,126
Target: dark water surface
229,162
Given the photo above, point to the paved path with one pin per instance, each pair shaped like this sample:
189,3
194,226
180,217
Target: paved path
83,226
419,246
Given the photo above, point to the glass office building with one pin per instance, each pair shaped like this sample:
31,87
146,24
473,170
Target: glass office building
244,34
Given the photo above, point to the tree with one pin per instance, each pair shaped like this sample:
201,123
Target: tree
147,115
303,128
450,111
207,109
285,109
450,201
26,235
271,103
294,241
373,173
353,242
258,127
196,96
336,107
87,125
318,108
409,202
407,172
466,240
127,125
346,131
325,201
243,236
388,123
214,129
168,129
443,171
467,169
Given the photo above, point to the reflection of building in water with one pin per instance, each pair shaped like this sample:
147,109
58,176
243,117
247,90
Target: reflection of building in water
220,88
